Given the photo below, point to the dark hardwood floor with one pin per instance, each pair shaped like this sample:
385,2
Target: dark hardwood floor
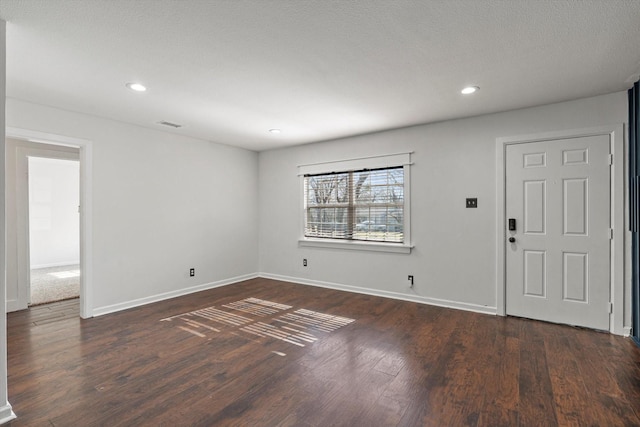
228,356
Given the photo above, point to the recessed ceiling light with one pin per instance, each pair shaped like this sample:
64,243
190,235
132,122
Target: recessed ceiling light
469,90
137,87
275,130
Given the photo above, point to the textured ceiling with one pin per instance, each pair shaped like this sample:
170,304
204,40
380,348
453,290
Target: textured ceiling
230,70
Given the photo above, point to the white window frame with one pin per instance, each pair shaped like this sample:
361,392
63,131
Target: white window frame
372,162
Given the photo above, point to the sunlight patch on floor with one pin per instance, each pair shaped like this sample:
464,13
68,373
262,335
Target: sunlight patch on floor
279,321
65,274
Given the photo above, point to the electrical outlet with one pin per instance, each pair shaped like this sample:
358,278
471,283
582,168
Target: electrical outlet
192,272
304,262
410,279
472,202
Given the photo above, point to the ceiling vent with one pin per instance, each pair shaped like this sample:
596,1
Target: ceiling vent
173,125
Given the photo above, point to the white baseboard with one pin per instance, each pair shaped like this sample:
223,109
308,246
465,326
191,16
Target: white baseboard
168,295
12,305
341,287
54,264
387,294
6,414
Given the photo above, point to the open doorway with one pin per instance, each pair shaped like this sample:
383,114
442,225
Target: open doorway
54,229
22,144
43,184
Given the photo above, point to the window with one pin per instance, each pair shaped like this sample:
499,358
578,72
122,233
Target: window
357,204
366,205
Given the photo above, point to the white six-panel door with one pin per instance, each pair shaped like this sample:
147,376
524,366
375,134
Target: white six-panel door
558,259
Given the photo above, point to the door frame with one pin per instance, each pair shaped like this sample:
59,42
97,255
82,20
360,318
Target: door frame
23,215
86,206
619,293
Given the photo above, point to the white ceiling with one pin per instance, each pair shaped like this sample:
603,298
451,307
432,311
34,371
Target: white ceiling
231,70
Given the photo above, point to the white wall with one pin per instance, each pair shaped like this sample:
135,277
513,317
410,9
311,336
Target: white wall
54,223
162,203
454,260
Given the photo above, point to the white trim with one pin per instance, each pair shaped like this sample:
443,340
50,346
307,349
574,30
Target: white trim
618,186
501,233
406,212
99,311
45,137
86,204
371,162
618,197
355,245
563,134
12,305
55,264
385,294
392,160
7,414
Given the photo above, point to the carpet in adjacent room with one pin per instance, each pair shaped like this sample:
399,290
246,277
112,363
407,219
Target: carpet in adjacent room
55,284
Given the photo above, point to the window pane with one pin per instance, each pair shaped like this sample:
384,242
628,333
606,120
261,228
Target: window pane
327,189
358,205
379,203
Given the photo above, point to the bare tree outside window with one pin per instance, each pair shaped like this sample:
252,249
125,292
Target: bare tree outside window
356,205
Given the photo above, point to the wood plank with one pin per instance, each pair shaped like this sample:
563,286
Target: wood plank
536,405
502,377
398,363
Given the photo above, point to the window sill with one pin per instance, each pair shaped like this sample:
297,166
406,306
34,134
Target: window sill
398,248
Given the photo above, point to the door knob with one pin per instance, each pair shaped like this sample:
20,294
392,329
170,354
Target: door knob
512,239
